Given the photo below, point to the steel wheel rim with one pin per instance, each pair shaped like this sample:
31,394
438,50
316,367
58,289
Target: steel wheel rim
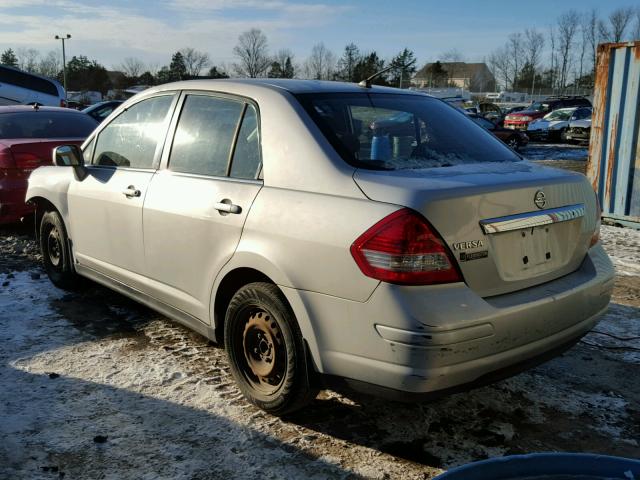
264,352
54,248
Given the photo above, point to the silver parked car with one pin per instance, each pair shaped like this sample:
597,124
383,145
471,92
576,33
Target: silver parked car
329,234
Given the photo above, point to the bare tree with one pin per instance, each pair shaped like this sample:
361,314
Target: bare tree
619,19
50,65
590,29
500,62
533,45
195,61
321,63
28,59
132,67
253,54
554,57
636,33
515,47
567,27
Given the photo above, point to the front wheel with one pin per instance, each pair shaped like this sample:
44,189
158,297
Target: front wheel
56,256
266,350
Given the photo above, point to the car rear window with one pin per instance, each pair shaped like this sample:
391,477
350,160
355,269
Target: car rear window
394,132
43,124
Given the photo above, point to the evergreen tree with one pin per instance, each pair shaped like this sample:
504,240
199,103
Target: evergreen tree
368,65
275,71
215,73
84,74
347,63
288,71
404,68
9,58
177,67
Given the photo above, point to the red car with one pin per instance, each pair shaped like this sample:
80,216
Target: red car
520,120
28,135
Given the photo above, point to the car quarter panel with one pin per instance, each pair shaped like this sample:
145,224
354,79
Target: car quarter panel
52,184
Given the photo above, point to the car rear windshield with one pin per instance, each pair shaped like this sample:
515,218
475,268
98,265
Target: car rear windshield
44,124
392,132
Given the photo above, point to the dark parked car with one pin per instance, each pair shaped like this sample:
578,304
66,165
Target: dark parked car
520,120
102,110
514,138
28,136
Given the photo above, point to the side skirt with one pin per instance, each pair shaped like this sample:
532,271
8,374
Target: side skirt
173,313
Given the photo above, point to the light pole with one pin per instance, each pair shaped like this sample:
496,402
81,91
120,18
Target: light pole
64,64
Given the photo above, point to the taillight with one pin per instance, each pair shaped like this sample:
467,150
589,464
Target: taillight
27,160
63,102
6,158
596,234
403,248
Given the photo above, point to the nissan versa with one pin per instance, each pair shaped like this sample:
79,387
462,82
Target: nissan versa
328,233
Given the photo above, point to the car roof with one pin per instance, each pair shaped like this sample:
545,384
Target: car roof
293,86
31,108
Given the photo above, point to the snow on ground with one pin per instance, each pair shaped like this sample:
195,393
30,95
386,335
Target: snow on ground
93,385
554,151
623,246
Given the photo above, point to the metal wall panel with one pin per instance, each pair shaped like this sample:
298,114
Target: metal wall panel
614,158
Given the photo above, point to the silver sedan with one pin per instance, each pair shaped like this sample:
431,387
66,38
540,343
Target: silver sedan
329,234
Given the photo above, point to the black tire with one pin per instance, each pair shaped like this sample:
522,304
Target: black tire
54,246
266,350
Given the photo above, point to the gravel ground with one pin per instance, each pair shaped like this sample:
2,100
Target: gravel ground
94,386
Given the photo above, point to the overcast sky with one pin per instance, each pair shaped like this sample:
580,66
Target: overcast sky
153,30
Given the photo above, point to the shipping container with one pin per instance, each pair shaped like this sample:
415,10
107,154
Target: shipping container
614,159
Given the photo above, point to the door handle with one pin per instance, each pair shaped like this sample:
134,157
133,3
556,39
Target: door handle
225,207
131,192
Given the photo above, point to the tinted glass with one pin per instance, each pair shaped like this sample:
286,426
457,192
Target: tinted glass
204,135
44,124
25,80
246,156
130,140
484,123
581,114
387,131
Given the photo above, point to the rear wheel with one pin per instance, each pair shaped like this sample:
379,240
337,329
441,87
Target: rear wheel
266,350
56,257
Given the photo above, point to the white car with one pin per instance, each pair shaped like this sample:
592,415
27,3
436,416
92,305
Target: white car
329,234
552,126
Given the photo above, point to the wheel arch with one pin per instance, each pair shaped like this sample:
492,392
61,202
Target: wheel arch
237,274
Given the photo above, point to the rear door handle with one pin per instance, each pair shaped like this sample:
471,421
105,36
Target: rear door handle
225,207
131,192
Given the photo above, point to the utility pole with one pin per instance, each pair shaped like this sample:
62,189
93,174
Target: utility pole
64,64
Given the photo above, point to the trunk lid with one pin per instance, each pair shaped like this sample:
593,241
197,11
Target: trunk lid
487,215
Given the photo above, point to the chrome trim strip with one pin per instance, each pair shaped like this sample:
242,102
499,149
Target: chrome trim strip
532,219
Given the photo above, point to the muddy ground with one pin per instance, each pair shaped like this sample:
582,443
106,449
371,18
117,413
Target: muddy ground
92,385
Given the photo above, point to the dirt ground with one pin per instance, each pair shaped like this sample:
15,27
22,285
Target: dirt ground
94,386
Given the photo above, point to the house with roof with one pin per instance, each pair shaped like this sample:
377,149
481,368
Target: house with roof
470,76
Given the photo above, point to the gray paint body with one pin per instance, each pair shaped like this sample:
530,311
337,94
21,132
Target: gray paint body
170,249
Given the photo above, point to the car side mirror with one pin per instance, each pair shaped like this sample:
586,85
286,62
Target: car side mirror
70,156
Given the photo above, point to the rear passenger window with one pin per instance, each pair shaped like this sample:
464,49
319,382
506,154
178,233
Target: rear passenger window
246,156
204,135
131,139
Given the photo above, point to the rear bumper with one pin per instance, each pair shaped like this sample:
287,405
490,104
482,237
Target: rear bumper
12,204
424,340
